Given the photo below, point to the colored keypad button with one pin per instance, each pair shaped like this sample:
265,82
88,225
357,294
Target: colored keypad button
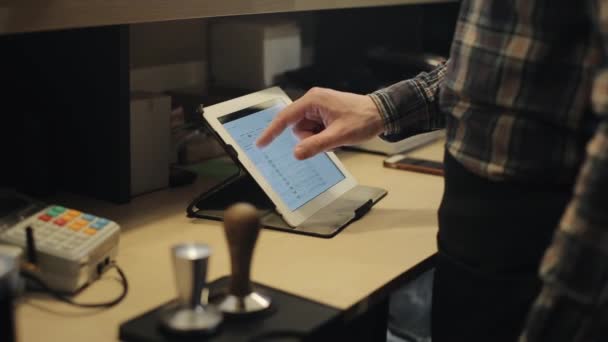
99,224
67,217
73,212
88,217
81,222
75,227
44,217
58,209
60,222
52,213
90,231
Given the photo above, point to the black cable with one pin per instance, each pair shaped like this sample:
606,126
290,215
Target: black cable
66,299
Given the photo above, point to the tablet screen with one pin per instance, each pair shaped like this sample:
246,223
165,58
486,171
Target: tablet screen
295,181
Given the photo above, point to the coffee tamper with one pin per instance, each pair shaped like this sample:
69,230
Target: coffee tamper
241,226
188,314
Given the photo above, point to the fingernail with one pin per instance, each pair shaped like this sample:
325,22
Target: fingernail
298,152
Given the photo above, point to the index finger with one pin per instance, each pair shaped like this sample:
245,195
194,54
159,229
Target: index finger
291,114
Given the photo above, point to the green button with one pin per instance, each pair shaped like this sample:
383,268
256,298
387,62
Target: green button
58,209
52,213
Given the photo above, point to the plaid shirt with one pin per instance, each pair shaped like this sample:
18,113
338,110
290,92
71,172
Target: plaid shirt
524,96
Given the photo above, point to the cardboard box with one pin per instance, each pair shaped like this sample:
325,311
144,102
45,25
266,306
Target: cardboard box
150,142
248,53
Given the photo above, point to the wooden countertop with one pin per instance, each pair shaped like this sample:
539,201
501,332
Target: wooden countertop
398,233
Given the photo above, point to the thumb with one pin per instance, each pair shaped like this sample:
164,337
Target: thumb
314,144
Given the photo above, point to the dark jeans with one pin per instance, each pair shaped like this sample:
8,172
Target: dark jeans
491,238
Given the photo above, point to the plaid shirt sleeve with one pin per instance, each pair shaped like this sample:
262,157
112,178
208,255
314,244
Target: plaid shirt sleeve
573,304
411,106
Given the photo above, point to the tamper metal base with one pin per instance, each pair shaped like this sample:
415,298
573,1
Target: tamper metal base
187,320
249,304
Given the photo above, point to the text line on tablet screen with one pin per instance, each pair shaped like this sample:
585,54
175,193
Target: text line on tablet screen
295,181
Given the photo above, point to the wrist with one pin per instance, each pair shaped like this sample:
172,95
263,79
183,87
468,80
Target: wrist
380,115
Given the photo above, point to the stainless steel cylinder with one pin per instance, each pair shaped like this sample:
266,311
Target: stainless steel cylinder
190,263
188,314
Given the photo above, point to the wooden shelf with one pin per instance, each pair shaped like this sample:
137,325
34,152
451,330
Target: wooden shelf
32,15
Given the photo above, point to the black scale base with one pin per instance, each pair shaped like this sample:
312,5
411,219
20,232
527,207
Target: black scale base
291,318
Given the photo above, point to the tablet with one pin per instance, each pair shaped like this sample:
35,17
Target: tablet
298,188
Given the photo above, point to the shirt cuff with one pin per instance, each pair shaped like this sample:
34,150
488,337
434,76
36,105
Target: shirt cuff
399,104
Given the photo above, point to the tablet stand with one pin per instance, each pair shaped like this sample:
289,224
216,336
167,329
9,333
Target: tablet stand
241,187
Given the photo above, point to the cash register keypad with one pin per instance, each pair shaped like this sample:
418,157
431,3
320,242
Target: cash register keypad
63,230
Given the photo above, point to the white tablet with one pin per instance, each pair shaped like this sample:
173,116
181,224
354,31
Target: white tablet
298,188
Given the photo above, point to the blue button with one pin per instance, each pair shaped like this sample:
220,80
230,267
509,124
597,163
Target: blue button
102,221
99,224
88,217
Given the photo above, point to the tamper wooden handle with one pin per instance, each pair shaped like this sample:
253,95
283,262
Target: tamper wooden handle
242,226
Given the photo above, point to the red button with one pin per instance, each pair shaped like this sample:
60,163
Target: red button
60,222
44,217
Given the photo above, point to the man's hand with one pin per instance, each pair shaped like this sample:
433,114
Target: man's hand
324,119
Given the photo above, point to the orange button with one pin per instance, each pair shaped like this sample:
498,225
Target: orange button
73,212
75,227
81,222
67,217
90,231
